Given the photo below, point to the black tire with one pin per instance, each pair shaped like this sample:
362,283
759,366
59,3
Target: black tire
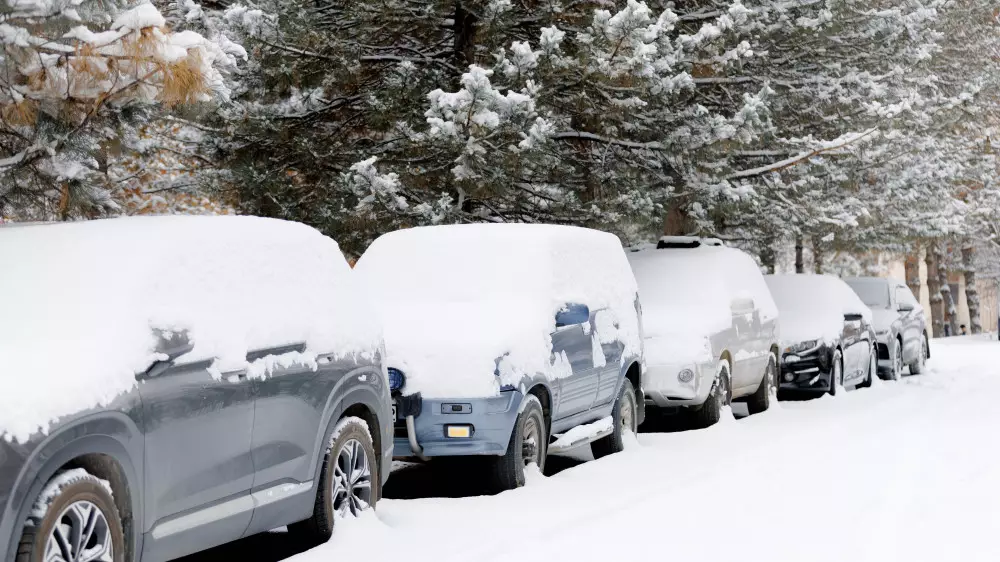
917,368
711,411
626,416
349,438
896,370
72,489
760,400
872,370
507,471
838,362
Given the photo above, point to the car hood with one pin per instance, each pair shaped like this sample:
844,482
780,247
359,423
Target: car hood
883,318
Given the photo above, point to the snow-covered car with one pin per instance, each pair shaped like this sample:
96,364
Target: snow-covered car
170,384
827,336
900,324
710,327
509,341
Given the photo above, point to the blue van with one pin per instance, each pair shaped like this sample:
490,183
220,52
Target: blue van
507,341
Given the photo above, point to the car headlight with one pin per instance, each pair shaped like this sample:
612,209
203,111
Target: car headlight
803,347
396,379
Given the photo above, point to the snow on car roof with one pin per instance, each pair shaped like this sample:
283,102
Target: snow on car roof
84,297
690,290
812,307
454,299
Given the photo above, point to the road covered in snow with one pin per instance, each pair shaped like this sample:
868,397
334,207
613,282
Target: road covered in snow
902,471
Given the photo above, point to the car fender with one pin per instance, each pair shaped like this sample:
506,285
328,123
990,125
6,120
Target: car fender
110,433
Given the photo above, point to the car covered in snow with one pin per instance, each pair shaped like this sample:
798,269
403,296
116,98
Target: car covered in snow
900,324
827,337
710,327
171,384
507,341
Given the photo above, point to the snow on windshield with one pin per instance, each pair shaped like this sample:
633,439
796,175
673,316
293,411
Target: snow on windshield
455,299
873,292
89,294
812,307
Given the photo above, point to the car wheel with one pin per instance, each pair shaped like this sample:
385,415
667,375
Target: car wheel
348,484
74,519
837,374
528,443
626,417
918,367
711,411
897,362
872,370
760,401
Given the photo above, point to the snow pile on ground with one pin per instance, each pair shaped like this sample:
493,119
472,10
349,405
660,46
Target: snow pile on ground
461,302
813,306
686,296
904,471
83,299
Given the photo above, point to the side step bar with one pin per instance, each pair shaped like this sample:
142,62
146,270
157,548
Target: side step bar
581,435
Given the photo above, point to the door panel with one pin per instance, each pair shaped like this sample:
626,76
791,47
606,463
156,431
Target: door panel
292,398
742,350
578,390
198,465
606,326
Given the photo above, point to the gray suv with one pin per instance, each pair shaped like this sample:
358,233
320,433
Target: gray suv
900,324
193,453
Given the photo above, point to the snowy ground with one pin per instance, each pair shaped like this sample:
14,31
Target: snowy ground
906,471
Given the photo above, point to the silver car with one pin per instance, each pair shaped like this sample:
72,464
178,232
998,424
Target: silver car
900,324
710,328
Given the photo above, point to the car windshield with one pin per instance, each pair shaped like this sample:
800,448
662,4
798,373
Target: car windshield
872,293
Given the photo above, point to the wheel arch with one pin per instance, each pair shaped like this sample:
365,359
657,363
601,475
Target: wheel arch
84,444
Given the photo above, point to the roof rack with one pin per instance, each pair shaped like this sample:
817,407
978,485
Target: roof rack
666,242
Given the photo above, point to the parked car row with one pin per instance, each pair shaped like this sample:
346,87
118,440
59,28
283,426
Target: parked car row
229,375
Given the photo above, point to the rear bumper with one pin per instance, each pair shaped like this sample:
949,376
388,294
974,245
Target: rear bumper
491,419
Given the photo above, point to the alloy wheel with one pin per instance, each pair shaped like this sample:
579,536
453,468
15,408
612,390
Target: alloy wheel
897,363
352,479
81,534
628,415
531,441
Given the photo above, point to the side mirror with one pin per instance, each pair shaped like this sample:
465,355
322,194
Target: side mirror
904,307
572,314
742,305
854,317
173,344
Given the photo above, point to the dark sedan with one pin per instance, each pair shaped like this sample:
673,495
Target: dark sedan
828,341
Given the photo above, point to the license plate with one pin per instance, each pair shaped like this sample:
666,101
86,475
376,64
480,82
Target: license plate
394,415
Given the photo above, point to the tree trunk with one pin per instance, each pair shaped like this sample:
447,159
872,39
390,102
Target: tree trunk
799,265
769,256
971,292
912,265
950,312
465,35
934,292
677,222
817,247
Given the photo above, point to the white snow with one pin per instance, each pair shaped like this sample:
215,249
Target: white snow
454,299
812,307
585,431
56,485
85,297
686,296
138,17
903,471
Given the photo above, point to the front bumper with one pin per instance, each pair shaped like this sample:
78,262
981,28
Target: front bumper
492,421
810,373
663,387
